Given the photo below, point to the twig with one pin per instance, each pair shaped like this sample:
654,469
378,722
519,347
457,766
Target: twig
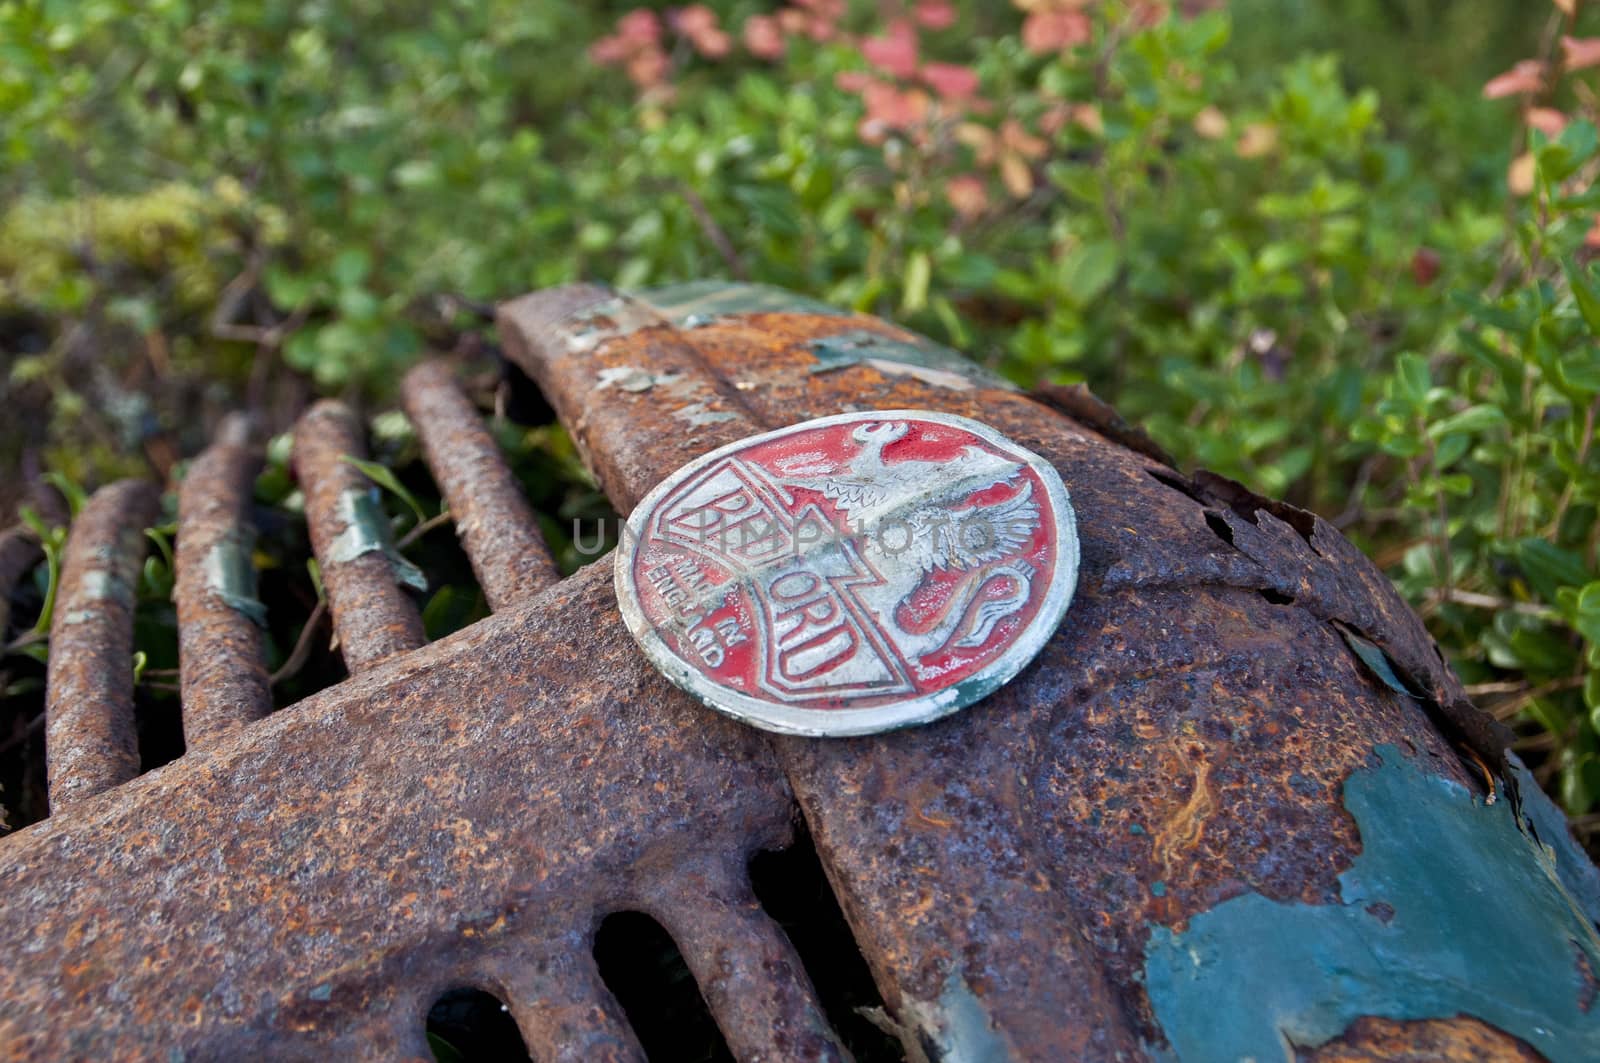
714,233
1352,507
422,529
302,646
1436,596
23,735
1505,710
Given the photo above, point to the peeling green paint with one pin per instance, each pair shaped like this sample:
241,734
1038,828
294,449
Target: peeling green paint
696,303
231,577
366,531
1451,908
963,1031
1548,825
927,361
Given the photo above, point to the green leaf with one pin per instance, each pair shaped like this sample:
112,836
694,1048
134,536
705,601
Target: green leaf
1412,379
919,271
351,266
1089,271
384,477
1473,419
1584,294
75,495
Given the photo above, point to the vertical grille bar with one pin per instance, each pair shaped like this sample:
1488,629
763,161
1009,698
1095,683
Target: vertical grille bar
563,1008
222,669
371,613
91,744
748,972
497,529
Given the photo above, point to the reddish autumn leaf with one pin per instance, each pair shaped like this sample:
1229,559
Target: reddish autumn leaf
763,37
853,81
1524,79
610,51
1520,176
1425,265
968,195
1044,32
1547,120
896,52
935,14
639,26
952,82
1580,53
696,18
648,67
1211,123
893,108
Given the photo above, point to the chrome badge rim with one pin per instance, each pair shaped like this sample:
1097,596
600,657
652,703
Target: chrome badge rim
850,574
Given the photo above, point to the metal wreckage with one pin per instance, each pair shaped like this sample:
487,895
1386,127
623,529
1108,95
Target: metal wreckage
1236,807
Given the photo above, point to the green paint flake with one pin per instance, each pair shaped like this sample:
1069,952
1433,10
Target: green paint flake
366,531
923,359
1450,909
701,302
230,576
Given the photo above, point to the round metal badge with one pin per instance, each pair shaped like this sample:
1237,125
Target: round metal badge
850,574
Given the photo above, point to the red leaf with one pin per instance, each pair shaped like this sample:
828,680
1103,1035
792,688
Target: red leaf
1580,53
935,14
953,83
764,37
1547,120
1524,79
1054,31
894,54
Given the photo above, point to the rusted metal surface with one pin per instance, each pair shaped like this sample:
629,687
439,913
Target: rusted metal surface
223,672
1167,752
1461,1040
497,529
464,814
372,614
91,744
563,339
468,811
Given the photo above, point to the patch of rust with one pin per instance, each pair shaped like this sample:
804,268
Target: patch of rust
366,531
1451,908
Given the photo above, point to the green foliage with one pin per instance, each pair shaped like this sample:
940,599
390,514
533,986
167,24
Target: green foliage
1288,279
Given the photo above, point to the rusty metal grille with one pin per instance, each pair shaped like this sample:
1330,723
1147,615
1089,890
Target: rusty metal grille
308,883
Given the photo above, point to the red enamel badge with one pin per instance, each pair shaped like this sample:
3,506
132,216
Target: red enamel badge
850,574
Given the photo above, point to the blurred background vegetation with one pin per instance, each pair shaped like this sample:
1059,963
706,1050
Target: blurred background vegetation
1337,249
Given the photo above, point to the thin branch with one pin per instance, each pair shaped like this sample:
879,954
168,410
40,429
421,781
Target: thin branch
23,735
302,646
422,529
714,233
